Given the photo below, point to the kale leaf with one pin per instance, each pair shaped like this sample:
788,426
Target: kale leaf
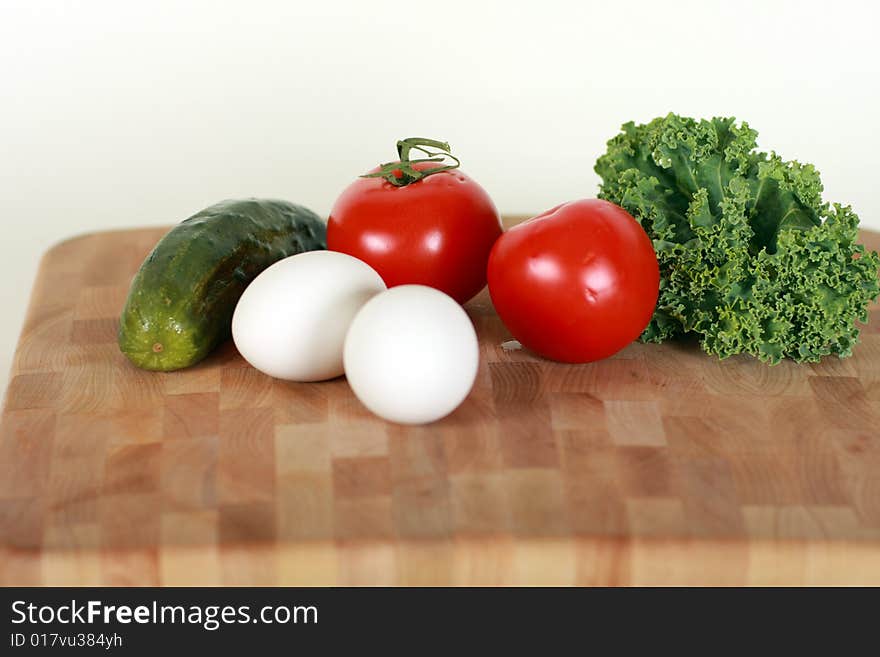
751,259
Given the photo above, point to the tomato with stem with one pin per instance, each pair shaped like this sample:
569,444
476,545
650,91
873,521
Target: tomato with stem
418,221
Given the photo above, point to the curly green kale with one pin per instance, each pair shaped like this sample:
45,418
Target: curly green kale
751,259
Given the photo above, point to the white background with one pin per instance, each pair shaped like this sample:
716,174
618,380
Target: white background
122,113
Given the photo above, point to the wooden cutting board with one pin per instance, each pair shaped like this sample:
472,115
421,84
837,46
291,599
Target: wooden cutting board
661,465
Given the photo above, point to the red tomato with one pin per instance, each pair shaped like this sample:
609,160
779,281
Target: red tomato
577,283
437,231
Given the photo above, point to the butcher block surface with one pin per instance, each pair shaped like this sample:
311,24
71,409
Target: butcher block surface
661,465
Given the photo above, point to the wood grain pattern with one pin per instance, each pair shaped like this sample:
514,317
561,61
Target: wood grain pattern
660,465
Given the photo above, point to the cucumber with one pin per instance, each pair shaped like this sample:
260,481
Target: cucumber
180,304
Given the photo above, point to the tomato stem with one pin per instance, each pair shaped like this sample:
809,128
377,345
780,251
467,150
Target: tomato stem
402,172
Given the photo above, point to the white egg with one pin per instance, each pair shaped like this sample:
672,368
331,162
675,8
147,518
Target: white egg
291,321
411,354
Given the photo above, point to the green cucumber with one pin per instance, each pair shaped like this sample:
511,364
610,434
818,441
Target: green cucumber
180,304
